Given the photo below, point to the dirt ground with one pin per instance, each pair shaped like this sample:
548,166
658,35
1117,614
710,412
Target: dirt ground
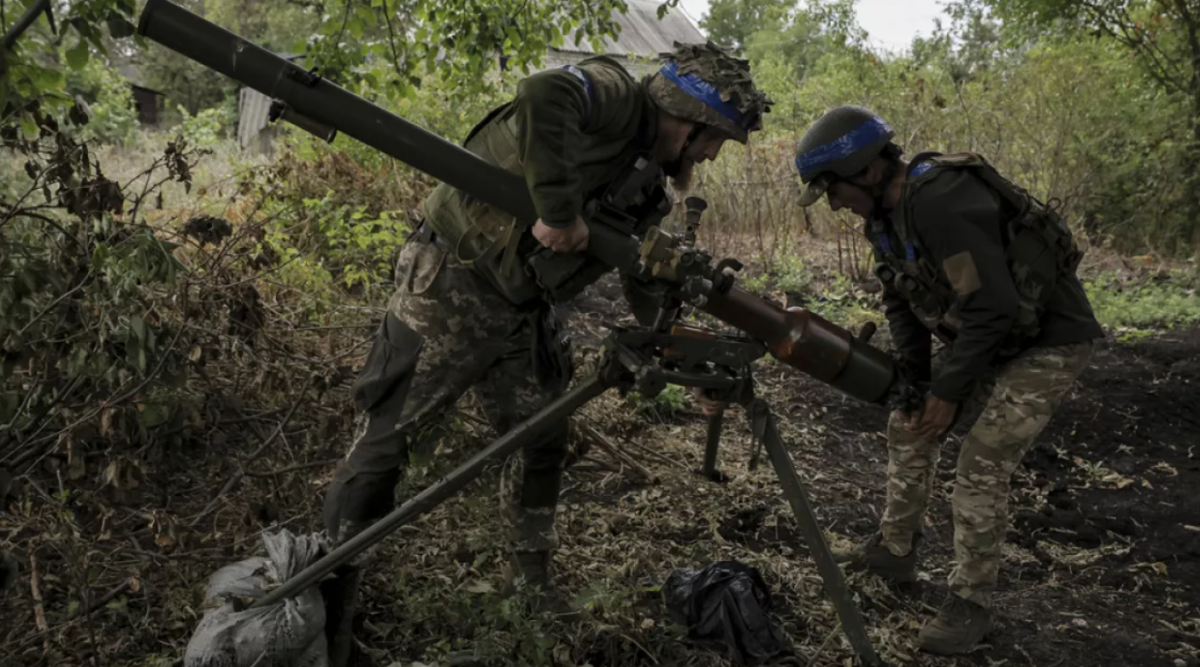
1102,566
1102,562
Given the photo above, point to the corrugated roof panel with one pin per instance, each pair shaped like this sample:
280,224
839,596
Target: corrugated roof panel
642,33
253,115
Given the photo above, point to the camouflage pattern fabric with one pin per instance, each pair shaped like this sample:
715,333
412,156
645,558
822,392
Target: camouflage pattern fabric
1017,400
728,74
448,332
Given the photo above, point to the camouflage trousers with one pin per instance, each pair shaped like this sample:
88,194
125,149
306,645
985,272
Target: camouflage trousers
448,332
1017,400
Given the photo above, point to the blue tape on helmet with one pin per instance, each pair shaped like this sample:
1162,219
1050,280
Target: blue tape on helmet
704,91
844,146
921,169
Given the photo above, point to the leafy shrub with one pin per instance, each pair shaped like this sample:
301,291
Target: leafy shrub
1132,306
110,101
791,274
89,356
664,406
205,129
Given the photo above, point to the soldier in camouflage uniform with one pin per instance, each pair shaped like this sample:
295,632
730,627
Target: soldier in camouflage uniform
468,314
966,256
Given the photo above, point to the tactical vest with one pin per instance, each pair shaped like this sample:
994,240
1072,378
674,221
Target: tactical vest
1039,249
496,244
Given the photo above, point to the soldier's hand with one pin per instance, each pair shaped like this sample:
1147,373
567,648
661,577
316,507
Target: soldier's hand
708,405
935,418
572,238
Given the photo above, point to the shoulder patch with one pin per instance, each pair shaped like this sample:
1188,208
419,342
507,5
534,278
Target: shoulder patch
587,86
960,270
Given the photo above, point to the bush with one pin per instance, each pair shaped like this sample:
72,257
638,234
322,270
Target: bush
205,129
110,101
1132,307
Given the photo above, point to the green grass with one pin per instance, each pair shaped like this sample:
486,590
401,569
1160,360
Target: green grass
664,406
1134,308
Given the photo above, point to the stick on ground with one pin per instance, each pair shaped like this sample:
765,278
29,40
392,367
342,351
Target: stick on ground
39,610
602,441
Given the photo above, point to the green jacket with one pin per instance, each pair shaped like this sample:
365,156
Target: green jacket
958,227
570,132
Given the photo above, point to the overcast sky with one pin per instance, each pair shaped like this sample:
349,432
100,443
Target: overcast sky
890,24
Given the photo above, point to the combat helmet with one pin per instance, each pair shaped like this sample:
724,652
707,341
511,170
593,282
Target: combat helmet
703,83
840,144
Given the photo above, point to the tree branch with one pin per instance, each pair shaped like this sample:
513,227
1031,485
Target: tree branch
387,17
233,481
1194,45
1122,28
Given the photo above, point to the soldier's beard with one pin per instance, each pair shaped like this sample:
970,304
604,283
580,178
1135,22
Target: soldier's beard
680,171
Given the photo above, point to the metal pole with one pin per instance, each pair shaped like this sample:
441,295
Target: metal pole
325,102
713,444
26,20
331,107
433,496
831,574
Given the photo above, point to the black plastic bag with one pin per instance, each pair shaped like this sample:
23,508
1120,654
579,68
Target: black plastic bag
725,608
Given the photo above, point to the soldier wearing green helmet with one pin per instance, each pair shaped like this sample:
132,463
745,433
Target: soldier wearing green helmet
971,259
468,313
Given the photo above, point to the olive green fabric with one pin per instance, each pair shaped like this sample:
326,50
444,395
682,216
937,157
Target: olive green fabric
955,212
566,143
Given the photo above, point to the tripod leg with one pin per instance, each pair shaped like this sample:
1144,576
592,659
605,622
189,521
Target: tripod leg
435,495
712,445
793,489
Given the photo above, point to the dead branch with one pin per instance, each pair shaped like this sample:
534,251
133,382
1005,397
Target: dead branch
657,456
602,441
39,610
233,481
102,600
293,468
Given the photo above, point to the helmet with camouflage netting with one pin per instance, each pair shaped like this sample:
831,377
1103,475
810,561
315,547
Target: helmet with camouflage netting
703,83
840,144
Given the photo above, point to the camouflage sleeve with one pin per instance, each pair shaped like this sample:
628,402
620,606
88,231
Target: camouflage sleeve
958,219
554,108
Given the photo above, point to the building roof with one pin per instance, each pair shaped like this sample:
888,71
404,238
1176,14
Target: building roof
129,71
642,33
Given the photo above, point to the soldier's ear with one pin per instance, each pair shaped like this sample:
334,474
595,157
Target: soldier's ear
874,173
865,178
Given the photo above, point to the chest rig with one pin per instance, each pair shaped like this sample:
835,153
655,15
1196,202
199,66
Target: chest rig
1039,250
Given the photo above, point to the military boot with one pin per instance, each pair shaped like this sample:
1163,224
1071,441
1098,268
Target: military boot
340,594
958,627
874,557
531,570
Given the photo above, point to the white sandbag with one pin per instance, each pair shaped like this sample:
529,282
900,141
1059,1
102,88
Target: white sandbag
288,634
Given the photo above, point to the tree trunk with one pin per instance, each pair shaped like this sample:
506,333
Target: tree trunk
1192,159
1192,169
